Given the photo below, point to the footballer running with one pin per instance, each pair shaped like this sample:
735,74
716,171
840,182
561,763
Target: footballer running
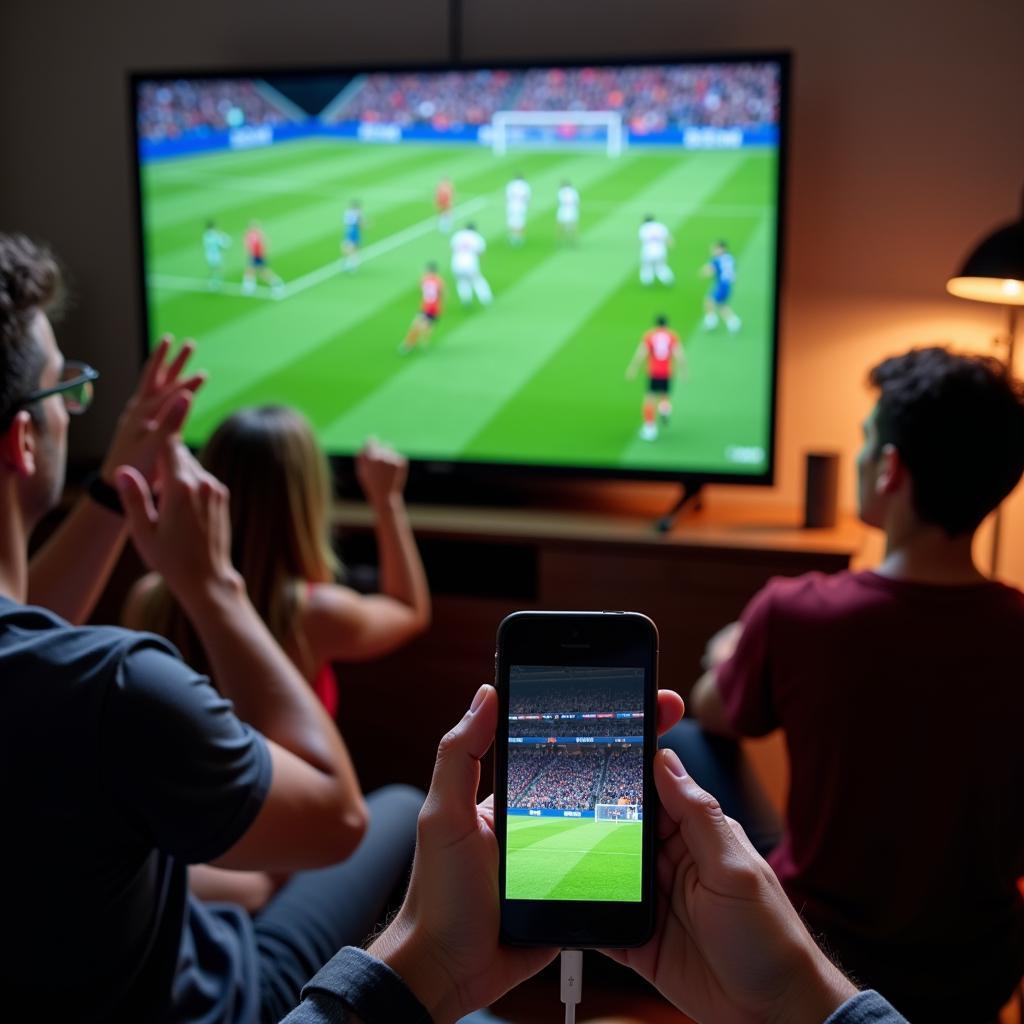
431,292
661,348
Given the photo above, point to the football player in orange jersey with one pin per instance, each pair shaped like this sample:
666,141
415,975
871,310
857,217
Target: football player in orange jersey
444,197
431,292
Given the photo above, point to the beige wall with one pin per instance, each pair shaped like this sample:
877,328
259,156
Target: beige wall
907,145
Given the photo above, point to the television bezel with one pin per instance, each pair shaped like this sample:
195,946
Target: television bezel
464,470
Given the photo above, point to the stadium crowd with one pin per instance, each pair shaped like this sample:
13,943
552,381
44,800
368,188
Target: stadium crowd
532,698
651,98
623,776
570,778
167,110
577,727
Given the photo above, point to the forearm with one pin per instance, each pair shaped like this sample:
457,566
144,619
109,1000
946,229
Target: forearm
267,690
68,573
402,576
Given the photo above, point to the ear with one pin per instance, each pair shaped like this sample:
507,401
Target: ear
18,446
891,471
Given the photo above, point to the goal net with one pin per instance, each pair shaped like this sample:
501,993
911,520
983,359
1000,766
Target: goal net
546,128
617,812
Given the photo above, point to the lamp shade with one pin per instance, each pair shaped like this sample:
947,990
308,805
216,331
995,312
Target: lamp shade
994,271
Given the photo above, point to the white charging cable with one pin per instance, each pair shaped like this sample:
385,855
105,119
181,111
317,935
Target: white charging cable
572,982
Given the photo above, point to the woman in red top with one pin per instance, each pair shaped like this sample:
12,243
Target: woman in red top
279,481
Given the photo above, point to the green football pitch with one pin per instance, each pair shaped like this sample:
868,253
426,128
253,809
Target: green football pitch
538,376
572,859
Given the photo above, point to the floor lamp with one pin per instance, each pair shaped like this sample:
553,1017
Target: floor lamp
994,272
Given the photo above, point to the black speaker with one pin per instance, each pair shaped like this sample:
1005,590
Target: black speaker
821,490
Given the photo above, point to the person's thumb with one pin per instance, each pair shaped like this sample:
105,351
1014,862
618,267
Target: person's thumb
699,816
137,501
453,789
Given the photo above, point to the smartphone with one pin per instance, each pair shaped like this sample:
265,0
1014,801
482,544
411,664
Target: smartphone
575,807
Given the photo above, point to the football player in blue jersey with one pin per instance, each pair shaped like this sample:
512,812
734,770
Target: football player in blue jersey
722,269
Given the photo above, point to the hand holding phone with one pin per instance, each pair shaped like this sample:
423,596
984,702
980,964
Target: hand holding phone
729,944
575,805
444,941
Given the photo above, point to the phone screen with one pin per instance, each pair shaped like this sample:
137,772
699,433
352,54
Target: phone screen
574,826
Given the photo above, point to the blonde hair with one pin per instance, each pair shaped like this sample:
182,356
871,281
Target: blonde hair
280,486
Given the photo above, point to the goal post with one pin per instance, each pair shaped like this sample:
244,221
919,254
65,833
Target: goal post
611,120
617,812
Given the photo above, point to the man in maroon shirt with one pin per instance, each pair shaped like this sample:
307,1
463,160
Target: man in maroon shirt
901,694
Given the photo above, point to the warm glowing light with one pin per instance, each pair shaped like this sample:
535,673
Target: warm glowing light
1006,291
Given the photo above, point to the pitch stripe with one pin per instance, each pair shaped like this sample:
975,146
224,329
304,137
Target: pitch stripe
349,172
385,245
305,170
295,221
589,849
314,277
173,283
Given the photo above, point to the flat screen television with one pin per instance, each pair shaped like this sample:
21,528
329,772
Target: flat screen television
466,261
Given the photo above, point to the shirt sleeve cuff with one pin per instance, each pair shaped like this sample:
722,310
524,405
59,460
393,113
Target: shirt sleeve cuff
866,1008
368,987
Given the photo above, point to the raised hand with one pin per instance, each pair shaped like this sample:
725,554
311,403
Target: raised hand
381,472
156,410
188,539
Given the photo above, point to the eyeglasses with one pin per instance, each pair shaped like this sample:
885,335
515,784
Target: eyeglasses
75,388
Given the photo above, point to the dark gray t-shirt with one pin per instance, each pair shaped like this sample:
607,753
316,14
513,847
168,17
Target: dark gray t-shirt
120,766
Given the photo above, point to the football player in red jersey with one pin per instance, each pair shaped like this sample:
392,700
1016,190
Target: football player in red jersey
431,291
661,348
257,266
444,197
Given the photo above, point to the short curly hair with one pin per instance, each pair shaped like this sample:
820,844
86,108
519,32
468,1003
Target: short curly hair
957,422
30,281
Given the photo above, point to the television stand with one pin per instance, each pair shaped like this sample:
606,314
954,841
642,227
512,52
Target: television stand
691,495
585,549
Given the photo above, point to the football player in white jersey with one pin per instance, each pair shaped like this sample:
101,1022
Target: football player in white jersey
214,244
655,240
517,199
568,214
467,246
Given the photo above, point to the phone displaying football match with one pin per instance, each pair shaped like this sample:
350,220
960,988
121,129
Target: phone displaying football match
574,798
575,783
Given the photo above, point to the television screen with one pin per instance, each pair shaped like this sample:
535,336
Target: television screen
558,266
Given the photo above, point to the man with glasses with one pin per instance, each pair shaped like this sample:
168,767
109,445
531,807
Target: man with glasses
120,765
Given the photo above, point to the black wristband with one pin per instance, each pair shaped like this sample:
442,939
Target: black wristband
103,494
368,987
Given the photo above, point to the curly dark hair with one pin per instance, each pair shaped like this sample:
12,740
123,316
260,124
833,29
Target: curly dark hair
30,281
958,423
